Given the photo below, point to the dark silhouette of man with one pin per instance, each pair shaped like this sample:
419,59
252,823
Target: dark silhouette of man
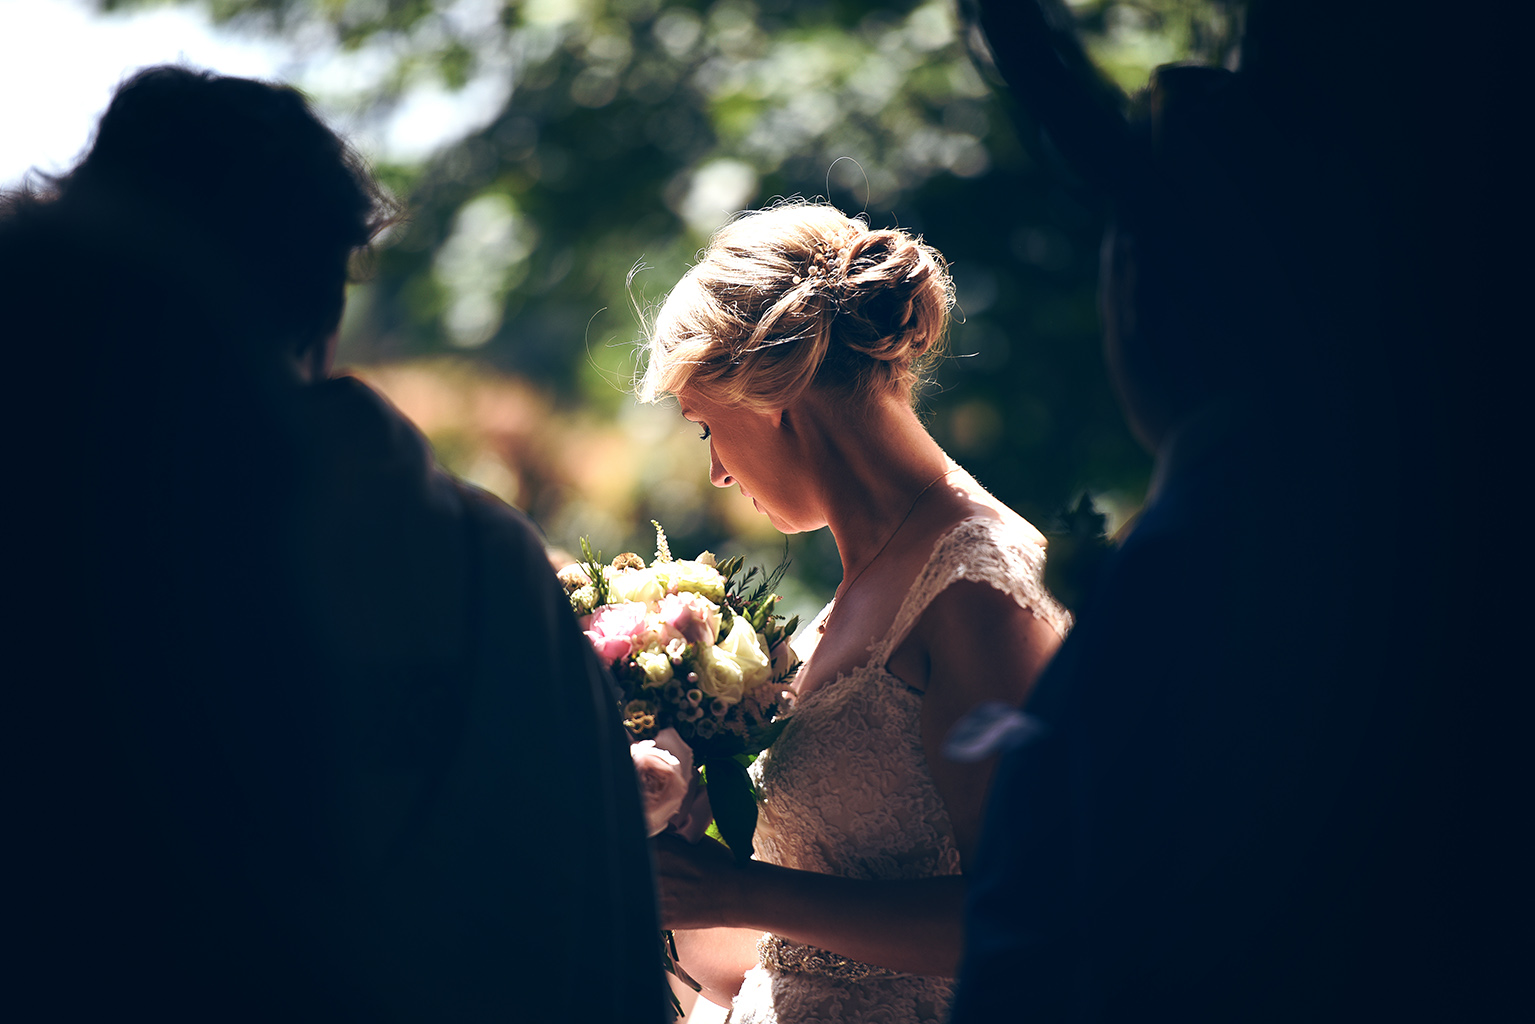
305,729
1246,791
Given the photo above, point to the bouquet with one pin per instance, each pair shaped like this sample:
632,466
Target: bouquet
701,663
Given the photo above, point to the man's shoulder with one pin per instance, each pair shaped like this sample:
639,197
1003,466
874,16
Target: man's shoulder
347,414
507,529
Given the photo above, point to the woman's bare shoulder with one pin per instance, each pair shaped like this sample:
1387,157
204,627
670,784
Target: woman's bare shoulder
971,502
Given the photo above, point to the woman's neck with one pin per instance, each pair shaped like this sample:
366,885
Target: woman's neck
873,464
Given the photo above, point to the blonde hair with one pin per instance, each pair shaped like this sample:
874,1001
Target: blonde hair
795,295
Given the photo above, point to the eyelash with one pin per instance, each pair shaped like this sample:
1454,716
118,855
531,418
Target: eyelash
705,435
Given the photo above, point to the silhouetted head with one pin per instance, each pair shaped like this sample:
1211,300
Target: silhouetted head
1214,225
801,295
231,190
1196,302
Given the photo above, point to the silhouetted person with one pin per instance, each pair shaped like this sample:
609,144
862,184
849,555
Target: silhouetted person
1235,801
305,727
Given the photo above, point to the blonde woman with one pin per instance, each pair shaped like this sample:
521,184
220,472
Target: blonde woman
795,345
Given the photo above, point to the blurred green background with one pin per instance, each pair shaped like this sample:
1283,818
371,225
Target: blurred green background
603,136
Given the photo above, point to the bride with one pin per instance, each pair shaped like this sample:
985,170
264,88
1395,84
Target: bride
795,345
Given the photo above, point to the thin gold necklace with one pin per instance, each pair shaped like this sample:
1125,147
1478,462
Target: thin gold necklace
843,588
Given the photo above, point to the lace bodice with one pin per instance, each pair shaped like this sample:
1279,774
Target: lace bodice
846,788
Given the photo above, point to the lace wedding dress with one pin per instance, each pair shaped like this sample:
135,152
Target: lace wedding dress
846,791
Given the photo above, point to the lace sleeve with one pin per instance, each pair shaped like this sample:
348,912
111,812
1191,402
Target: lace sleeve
988,551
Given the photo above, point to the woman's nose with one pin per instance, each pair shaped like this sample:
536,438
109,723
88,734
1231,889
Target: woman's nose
717,475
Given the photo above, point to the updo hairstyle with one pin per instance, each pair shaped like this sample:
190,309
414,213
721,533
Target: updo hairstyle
800,295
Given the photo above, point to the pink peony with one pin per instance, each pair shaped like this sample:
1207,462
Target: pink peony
694,617
613,629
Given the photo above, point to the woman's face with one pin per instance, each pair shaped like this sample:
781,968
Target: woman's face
752,450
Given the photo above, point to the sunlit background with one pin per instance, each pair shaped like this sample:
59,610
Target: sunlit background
545,148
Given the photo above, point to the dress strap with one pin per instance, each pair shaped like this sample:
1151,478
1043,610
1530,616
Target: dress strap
985,550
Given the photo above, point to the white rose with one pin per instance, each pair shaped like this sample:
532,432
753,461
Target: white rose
735,664
695,576
656,666
634,585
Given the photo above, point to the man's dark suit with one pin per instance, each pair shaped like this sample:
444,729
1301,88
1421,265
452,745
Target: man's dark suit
1267,786
1225,816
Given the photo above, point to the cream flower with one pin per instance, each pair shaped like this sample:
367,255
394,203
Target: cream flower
694,576
584,599
634,585
735,664
656,666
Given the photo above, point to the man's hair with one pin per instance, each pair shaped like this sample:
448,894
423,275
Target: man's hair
230,187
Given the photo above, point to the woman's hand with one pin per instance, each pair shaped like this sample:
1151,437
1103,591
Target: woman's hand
699,883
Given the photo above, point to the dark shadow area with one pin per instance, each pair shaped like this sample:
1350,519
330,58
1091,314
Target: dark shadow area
281,687
1275,778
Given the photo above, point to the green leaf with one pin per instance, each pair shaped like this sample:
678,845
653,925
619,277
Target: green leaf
763,592
591,561
734,804
730,566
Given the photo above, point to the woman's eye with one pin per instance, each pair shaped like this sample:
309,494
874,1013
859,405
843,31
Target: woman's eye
705,435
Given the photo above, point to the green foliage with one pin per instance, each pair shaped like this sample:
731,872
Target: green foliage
1078,546
591,563
756,599
734,803
626,130
1127,38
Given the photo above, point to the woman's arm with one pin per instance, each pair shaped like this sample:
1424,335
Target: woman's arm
911,926
975,644
717,958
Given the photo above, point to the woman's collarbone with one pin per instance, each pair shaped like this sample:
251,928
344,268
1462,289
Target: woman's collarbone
847,649
863,618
